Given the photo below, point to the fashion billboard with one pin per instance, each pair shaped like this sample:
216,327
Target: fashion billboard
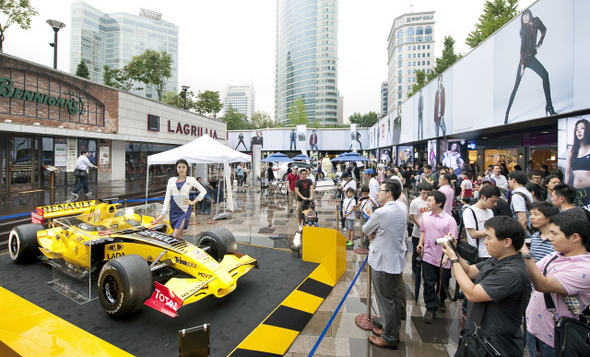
573,160
534,66
299,139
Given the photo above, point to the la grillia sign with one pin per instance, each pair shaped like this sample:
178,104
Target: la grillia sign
74,105
192,130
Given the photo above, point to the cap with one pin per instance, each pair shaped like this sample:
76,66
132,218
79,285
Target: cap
345,174
370,172
489,180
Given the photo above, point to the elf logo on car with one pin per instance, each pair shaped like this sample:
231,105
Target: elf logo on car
114,247
206,276
184,262
115,255
166,300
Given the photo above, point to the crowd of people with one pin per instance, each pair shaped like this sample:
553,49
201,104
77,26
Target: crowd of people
532,243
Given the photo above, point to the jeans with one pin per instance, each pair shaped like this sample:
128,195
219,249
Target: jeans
292,145
533,343
538,68
440,124
430,274
240,180
314,147
82,183
389,302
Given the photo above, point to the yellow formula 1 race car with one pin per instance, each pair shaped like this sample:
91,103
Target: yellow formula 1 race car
139,262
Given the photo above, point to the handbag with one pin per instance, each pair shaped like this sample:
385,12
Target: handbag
572,335
466,250
476,343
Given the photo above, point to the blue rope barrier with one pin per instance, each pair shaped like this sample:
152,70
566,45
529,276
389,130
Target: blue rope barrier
16,216
317,343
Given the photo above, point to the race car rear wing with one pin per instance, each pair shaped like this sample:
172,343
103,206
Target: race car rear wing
61,210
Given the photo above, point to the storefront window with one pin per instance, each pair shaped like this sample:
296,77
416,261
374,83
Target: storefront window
543,156
136,160
498,156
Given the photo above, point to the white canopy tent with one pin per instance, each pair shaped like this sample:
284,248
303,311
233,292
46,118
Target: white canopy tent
203,150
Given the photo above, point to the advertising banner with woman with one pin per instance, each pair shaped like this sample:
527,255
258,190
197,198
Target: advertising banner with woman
574,155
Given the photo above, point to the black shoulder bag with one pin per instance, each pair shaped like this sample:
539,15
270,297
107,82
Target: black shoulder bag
466,250
572,336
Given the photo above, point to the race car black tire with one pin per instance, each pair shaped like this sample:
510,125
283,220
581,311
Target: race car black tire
124,284
23,246
219,240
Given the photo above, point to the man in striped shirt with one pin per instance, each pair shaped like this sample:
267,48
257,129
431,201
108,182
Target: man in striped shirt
541,246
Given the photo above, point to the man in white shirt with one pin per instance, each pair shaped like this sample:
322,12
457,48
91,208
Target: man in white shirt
347,182
373,184
82,165
520,200
501,180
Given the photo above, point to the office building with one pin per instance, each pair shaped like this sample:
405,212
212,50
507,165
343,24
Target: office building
307,59
114,39
241,98
410,48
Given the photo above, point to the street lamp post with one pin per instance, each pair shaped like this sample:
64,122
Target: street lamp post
56,25
184,90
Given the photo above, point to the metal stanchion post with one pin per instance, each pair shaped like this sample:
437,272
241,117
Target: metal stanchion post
364,321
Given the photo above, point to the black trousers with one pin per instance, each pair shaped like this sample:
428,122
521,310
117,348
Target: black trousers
538,68
430,274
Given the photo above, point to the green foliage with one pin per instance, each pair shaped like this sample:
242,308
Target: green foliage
13,12
420,83
447,59
297,113
235,120
365,120
82,70
152,68
176,99
118,78
208,102
495,14
261,119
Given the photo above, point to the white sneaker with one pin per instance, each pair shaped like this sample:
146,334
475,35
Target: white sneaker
89,193
300,227
344,229
75,194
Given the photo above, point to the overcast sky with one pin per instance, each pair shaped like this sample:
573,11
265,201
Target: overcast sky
233,41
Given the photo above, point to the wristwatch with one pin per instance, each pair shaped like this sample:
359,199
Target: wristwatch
528,255
453,261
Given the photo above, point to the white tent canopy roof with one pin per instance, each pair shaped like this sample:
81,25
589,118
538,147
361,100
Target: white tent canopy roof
203,150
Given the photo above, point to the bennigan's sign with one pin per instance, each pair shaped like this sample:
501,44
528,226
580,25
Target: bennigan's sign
74,105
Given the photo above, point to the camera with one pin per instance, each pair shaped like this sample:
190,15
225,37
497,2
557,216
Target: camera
441,241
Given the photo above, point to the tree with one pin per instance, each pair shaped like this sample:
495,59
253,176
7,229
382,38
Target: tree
495,14
82,70
365,120
118,78
17,12
261,119
447,59
420,83
152,68
235,120
297,113
176,99
208,102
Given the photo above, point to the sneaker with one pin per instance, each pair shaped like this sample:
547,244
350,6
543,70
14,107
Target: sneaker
89,193
442,307
344,229
428,317
300,227
349,243
75,194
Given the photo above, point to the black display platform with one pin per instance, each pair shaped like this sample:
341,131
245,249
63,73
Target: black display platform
150,333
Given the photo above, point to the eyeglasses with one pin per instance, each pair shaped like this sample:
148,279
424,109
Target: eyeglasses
383,191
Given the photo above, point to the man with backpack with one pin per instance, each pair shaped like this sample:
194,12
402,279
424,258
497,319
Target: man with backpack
521,198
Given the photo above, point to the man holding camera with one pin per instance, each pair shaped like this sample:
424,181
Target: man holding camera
435,224
304,192
499,293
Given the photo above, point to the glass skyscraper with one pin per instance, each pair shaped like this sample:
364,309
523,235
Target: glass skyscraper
113,39
307,59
